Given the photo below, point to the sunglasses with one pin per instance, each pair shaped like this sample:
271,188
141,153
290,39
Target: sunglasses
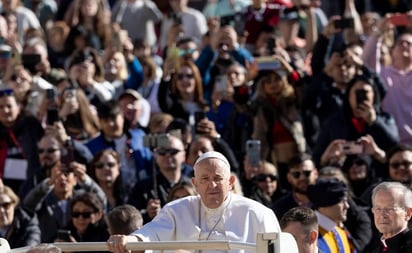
6,93
85,215
101,165
181,76
183,52
397,165
297,174
164,152
6,205
47,150
263,177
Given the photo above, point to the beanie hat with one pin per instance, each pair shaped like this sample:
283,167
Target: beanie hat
327,192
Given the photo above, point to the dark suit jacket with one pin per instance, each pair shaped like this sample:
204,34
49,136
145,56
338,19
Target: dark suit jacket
401,243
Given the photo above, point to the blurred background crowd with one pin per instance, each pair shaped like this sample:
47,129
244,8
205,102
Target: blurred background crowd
105,103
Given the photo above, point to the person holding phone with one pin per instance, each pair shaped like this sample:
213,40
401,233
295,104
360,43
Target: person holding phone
396,75
276,111
58,187
87,222
362,121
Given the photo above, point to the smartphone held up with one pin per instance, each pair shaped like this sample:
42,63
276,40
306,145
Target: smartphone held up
253,148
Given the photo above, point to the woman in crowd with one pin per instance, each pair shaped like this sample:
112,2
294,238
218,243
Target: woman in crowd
17,225
91,15
182,96
266,189
87,220
21,82
150,84
278,116
87,72
105,170
115,70
78,116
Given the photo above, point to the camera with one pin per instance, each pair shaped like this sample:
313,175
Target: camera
51,94
241,94
401,20
69,95
153,141
344,23
177,19
52,116
270,45
352,148
63,235
360,96
253,152
67,157
30,61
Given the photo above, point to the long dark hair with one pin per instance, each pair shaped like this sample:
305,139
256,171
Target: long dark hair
119,191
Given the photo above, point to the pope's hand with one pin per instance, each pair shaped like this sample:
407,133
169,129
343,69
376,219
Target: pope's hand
117,243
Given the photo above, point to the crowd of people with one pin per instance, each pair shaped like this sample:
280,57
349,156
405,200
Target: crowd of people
110,110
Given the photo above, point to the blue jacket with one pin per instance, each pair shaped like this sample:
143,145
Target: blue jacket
141,155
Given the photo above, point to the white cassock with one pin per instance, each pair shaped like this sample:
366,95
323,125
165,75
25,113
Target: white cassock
238,219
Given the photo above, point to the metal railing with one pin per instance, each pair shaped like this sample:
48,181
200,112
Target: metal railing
266,242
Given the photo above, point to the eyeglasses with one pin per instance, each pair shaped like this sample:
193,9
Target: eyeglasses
387,210
164,152
397,165
101,165
263,177
47,150
6,205
297,174
181,76
85,215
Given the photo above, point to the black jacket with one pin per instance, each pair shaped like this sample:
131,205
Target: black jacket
401,243
24,231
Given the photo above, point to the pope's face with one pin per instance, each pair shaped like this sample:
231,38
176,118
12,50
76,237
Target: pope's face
213,182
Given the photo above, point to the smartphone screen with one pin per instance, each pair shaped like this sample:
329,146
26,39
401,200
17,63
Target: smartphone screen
253,152
360,96
52,116
344,23
63,235
67,157
401,20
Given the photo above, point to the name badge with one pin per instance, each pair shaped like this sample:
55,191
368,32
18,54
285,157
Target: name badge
15,169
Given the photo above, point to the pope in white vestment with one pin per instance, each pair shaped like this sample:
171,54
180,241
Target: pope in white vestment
214,214
238,219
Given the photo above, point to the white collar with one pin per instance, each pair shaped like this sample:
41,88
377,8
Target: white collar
325,222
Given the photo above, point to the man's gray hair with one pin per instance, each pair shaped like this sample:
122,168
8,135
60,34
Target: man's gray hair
405,192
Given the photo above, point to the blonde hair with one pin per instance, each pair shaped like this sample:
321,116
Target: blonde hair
9,192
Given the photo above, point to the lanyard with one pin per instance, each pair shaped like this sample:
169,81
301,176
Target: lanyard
16,143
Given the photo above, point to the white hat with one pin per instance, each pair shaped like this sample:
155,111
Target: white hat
212,154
